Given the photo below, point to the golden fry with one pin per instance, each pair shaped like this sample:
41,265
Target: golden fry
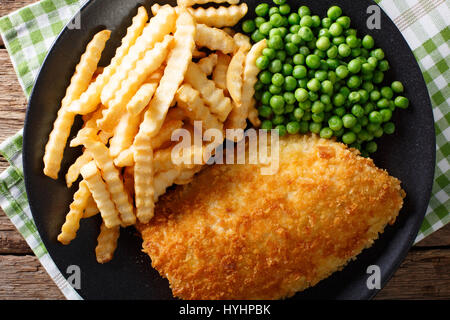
101,195
208,63
74,170
124,133
190,3
220,71
214,97
70,227
213,39
106,243
80,81
90,99
91,208
220,17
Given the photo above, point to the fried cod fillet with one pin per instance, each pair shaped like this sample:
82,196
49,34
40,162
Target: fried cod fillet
236,234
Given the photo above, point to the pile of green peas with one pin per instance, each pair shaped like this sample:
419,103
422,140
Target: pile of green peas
318,76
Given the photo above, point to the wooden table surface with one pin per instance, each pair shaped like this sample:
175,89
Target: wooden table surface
425,274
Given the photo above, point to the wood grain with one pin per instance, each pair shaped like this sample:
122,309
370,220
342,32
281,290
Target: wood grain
23,277
423,275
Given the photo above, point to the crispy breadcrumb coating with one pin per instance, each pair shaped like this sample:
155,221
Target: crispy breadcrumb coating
236,234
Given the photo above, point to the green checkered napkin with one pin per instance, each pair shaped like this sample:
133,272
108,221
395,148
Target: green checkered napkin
29,33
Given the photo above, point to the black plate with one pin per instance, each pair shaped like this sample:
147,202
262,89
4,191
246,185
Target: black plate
409,154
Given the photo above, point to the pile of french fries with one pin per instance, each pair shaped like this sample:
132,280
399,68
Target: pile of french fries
182,65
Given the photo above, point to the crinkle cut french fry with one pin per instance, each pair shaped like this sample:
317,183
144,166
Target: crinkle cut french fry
234,76
197,54
91,208
214,97
239,114
149,63
189,100
177,63
160,25
124,133
142,98
101,195
220,71
90,99
143,178
128,180
89,127
163,180
106,243
230,31
112,178
242,41
213,39
253,114
80,81
220,17
125,158
208,63
72,224
190,3
175,114
74,170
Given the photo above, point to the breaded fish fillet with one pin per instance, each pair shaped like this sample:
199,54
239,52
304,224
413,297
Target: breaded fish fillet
236,234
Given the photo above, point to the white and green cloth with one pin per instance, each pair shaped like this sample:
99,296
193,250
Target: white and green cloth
29,32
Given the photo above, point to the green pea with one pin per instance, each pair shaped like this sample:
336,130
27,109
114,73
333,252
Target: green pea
336,30
315,127
335,123
262,62
339,100
313,95
397,87
354,66
332,53
266,125
281,130
265,111
317,107
327,87
295,28
297,40
344,21
316,21
273,89
257,36
401,102
318,117
291,48
342,72
299,59
338,40
275,42
334,12
265,99
290,84
344,50
313,61
375,117
378,77
301,95
275,31
293,127
277,101
340,111
259,21
371,147
323,43
278,79
269,53
368,42
275,66
287,69
298,113
357,128
383,65
262,9
326,133
306,33
354,82
289,98
383,103
299,72
387,92
314,85
349,121
265,77
386,114
302,83
349,137
326,22
306,21
278,119
304,11
332,76
321,75
352,41
378,54
276,20
354,97
389,128
285,9
273,10
248,26
294,19
363,135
